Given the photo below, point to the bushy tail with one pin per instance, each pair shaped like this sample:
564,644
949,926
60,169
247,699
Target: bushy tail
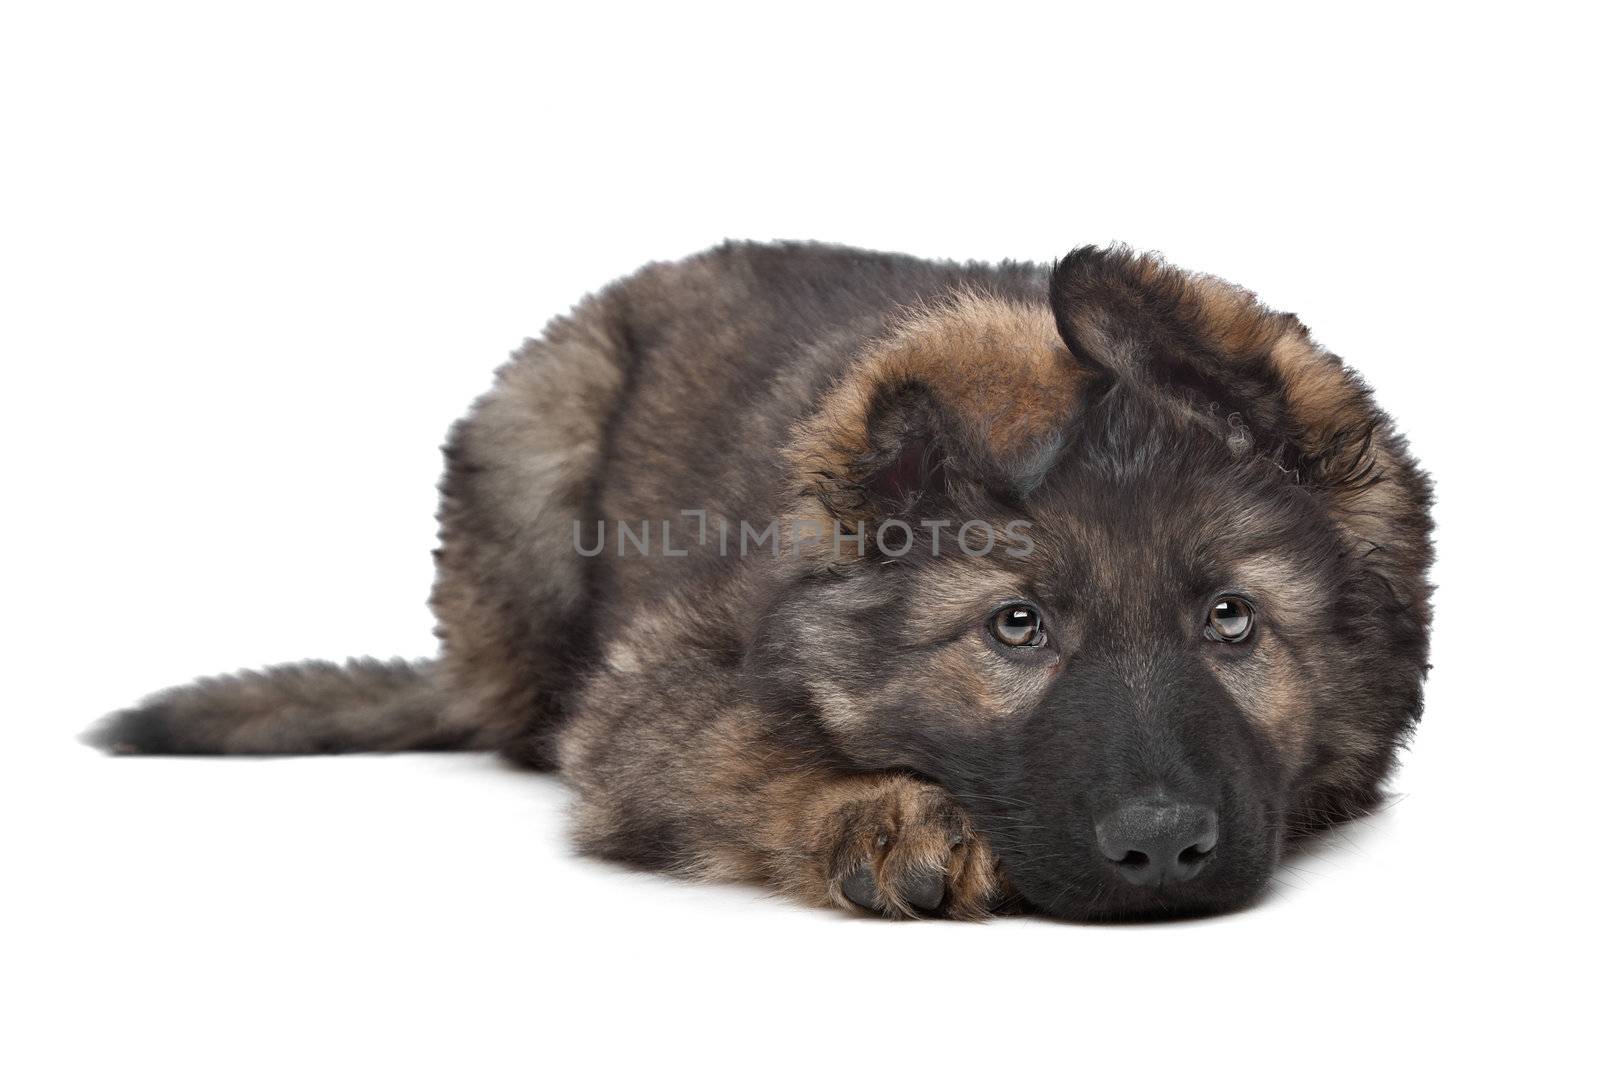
299,708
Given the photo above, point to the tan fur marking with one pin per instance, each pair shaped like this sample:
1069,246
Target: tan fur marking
1282,587
1270,690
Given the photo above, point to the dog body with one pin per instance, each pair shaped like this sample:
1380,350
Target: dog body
909,587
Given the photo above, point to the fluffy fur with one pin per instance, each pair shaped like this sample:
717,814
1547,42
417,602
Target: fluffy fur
834,719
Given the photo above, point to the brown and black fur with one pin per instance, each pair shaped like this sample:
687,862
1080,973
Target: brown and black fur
837,723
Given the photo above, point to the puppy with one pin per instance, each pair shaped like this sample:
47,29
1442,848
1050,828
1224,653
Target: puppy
911,588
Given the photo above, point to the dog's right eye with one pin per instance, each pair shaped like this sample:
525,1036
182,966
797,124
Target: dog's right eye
1018,625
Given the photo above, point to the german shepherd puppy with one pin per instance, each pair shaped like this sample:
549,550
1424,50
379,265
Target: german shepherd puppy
906,587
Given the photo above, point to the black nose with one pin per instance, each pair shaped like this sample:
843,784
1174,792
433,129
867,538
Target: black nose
1154,840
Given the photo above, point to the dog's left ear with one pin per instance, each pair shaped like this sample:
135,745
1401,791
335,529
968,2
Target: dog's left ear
1134,318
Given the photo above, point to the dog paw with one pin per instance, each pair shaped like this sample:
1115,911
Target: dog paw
905,849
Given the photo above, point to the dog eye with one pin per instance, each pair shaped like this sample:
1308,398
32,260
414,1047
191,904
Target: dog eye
1230,619
1018,625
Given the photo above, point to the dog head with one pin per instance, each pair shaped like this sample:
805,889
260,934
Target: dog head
1138,574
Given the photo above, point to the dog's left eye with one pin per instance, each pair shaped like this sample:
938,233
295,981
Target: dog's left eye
1018,625
1231,619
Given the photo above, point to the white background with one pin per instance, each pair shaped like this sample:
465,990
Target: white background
253,262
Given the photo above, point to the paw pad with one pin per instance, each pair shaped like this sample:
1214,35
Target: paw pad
922,889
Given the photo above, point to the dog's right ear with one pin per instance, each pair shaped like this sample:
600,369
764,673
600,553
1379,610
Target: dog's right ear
966,398
905,456
909,454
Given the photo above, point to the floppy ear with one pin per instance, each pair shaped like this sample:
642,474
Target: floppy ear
1136,319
